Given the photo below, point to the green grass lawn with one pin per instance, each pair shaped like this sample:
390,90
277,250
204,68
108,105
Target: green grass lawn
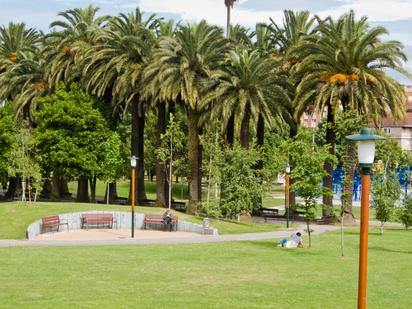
217,275
15,217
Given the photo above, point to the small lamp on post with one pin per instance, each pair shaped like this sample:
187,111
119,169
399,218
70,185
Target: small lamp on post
133,161
366,154
287,194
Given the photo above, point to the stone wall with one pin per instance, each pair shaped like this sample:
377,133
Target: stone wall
123,222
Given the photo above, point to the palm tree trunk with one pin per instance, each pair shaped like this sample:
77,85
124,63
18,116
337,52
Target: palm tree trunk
292,196
260,131
260,136
244,131
83,190
138,123
227,21
161,183
349,172
327,180
195,195
230,130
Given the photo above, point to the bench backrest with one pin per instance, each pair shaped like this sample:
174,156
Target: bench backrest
50,220
97,216
158,217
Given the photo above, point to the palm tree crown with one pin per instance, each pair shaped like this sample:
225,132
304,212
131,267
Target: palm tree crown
345,63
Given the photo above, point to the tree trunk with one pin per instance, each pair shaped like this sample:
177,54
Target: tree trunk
309,234
349,166
93,182
45,191
327,180
138,123
230,130
64,187
112,193
83,190
228,22
260,136
55,188
14,185
244,130
292,196
161,183
193,154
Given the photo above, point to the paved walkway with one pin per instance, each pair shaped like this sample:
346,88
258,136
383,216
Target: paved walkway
317,229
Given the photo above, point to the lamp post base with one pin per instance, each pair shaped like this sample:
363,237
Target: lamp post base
132,223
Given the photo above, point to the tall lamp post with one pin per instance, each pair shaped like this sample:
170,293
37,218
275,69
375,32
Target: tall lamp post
366,155
133,161
287,194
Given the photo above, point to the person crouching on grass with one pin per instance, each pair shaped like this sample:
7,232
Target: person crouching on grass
294,242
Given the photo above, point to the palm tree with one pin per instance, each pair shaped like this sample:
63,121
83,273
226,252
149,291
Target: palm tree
113,67
180,72
240,39
23,83
229,6
344,67
250,88
166,29
69,40
15,42
294,28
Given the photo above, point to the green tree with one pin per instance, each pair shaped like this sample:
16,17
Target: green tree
212,154
242,185
111,162
385,194
70,137
23,163
347,123
307,173
7,138
172,142
405,214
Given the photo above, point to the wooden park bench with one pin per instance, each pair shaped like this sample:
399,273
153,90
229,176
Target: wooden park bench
158,220
97,220
269,213
52,223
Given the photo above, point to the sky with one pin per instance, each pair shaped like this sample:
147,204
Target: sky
395,15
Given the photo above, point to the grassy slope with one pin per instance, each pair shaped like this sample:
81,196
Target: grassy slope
15,217
222,275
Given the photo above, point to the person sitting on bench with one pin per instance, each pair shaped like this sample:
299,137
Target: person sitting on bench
167,217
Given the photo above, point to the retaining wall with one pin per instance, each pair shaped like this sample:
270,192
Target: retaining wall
123,222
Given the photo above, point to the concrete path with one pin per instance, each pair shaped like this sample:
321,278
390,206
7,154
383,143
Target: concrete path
318,229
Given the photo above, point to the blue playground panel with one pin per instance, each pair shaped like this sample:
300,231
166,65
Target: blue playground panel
338,174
